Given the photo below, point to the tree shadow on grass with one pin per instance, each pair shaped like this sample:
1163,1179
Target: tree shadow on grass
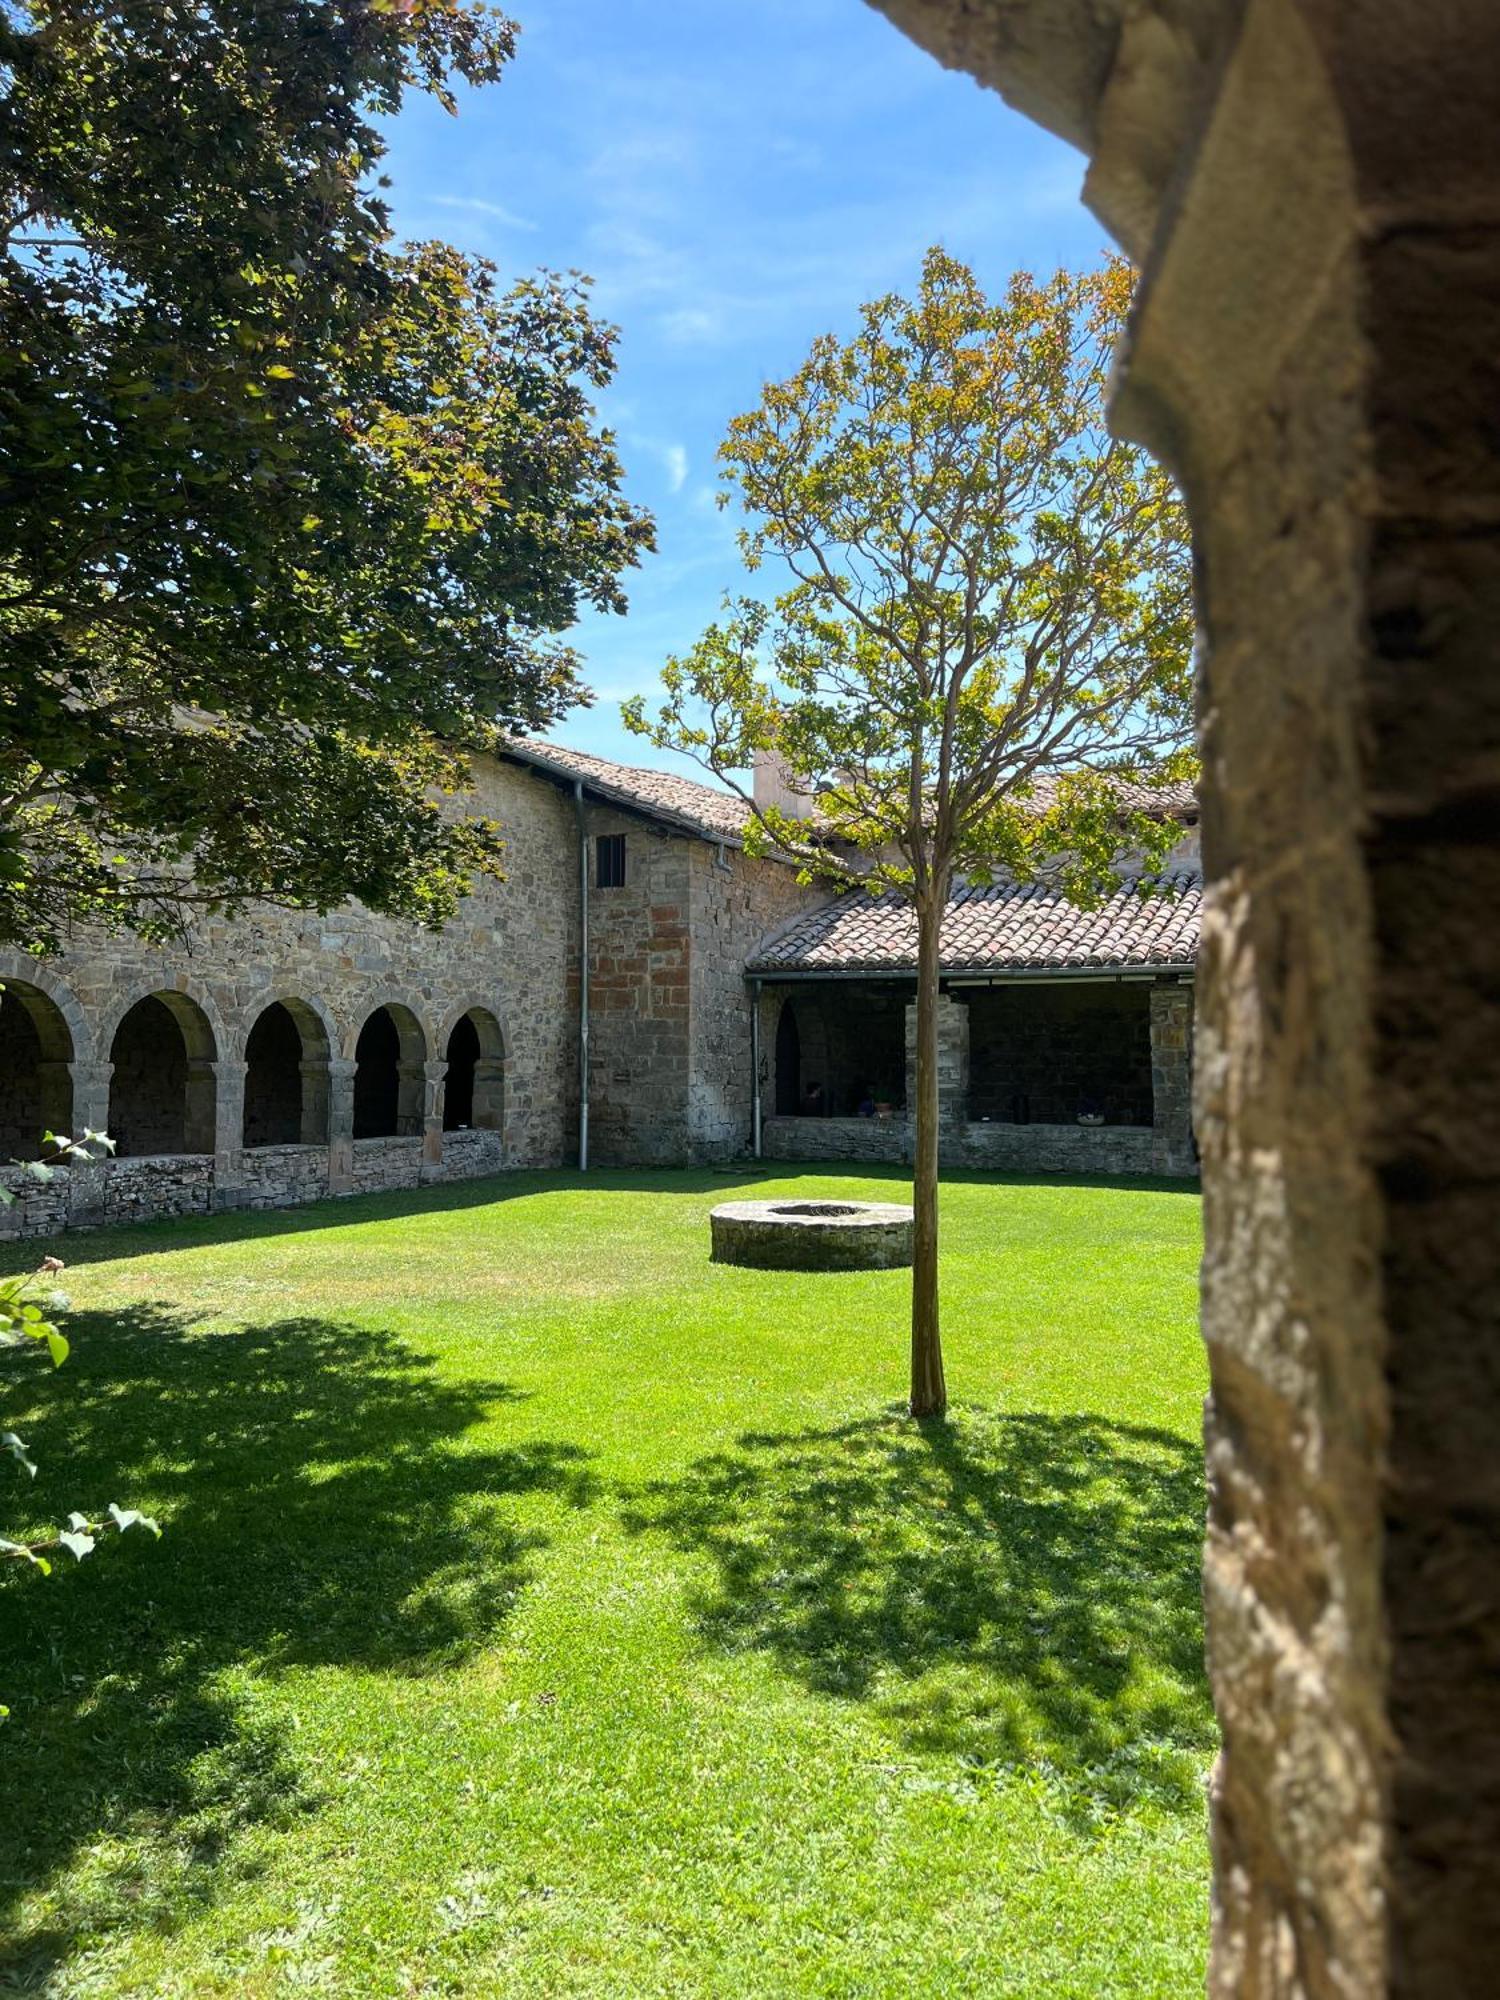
319,1507
1012,1591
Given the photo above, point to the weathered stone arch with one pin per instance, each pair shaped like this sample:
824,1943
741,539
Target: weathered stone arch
390,1051
17,971
472,1046
163,1093
1313,191
37,1049
288,1043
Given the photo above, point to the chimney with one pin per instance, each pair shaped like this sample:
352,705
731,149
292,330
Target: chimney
773,785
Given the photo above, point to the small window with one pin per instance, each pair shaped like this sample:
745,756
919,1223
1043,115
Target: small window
610,869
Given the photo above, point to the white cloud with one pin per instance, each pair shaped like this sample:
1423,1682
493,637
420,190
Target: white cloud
493,211
677,466
692,326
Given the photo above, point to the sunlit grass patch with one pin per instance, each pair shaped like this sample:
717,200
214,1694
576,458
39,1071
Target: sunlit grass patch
542,1610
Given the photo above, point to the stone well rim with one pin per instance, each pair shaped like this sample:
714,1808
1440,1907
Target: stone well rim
789,1213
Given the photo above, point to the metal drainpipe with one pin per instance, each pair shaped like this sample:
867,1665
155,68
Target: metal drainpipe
755,1064
583,980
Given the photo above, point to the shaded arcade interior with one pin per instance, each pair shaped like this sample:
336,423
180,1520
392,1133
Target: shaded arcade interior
1020,1052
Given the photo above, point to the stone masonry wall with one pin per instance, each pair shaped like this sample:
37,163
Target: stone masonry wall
638,995
736,901
508,951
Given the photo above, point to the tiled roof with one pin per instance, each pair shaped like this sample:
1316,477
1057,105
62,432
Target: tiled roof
721,815
1007,927
702,809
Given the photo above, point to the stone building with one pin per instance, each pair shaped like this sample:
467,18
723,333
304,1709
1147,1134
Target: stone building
284,1057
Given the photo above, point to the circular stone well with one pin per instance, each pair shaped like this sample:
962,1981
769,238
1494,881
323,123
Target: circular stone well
813,1235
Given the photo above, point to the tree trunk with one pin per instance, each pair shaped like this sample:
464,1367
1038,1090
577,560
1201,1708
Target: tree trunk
929,1392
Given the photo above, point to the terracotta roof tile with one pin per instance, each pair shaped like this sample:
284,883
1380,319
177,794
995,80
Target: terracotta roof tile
703,809
721,815
1007,927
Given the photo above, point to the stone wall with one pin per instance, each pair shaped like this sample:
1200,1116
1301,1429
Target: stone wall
1052,1149
736,901
854,1141
179,1081
639,1004
1006,1149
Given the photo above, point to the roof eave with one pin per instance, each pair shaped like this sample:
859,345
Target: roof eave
626,801
982,974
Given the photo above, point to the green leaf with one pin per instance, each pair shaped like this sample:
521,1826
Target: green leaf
19,1552
131,1517
11,1443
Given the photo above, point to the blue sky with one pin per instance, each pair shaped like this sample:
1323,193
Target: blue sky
738,176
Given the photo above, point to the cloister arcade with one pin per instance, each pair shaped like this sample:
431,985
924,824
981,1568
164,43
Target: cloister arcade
233,1112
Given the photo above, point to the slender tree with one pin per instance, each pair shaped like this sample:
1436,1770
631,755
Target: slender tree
982,662
290,514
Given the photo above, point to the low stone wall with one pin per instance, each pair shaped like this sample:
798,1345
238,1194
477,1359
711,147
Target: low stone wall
154,1185
166,1184
40,1208
877,1140
283,1176
1007,1149
383,1165
467,1155
1051,1149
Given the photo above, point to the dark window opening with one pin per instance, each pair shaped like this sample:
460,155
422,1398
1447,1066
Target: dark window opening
609,868
788,1064
377,1078
36,1089
458,1092
273,1080
161,1100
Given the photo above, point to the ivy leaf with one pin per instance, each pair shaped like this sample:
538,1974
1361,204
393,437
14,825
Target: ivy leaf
20,1550
132,1517
77,1541
11,1443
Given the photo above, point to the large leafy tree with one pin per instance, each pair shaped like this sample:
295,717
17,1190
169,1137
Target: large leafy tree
289,513
983,660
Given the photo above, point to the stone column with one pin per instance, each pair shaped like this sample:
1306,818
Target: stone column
433,1075
55,1088
1314,353
412,1098
87,1182
341,1124
489,1094
223,1088
953,1065
1311,190
313,1130
1172,1148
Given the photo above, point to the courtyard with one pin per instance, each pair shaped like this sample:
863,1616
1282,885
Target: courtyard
542,1610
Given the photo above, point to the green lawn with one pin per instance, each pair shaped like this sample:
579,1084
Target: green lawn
542,1610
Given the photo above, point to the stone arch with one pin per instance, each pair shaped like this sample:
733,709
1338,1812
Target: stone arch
163,1089
37,1049
473,1046
287,1049
801,1057
390,1055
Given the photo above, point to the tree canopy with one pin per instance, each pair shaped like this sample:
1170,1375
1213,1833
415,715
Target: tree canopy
290,514
983,659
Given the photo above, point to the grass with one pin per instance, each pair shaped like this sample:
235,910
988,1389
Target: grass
544,1611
